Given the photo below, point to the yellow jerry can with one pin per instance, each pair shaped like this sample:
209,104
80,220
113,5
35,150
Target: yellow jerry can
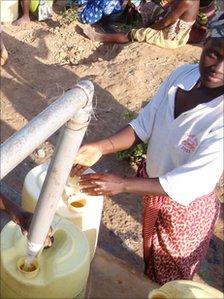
185,289
82,210
58,272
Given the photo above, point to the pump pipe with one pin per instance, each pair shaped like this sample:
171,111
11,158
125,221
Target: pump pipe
21,144
76,105
70,139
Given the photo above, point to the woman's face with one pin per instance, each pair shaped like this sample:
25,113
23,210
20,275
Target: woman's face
212,63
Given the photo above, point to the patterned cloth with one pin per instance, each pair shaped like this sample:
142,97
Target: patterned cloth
94,10
173,36
205,15
151,11
216,27
175,237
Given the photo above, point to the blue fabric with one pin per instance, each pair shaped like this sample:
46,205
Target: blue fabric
81,2
95,9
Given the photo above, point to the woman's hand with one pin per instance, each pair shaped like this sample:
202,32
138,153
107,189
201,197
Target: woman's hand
101,184
86,157
23,219
109,184
90,153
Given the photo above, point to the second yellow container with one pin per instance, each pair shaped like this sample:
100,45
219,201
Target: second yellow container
85,212
185,289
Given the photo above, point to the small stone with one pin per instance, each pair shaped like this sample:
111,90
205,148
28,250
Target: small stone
41,153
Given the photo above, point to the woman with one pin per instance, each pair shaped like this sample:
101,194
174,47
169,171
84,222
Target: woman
170,31
183,126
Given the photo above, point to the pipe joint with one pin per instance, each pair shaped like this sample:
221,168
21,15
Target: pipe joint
87,87
75,125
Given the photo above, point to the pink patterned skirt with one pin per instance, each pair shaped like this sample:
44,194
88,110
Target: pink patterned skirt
176,238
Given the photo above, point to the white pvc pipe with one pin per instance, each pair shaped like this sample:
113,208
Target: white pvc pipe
21,144
68,144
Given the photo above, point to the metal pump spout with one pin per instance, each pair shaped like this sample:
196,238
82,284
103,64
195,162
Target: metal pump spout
73,111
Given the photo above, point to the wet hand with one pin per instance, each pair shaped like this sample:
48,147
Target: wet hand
23,219
87,156
101,184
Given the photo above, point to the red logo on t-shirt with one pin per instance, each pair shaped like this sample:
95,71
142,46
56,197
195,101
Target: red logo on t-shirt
189,143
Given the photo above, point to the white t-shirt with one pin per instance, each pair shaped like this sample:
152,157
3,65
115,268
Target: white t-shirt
185,153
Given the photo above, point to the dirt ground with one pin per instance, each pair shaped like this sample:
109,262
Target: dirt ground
46,58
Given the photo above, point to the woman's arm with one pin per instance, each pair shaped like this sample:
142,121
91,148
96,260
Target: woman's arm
21,217
109,184
143,186
171,17
16,213
90,153
139,130
122,140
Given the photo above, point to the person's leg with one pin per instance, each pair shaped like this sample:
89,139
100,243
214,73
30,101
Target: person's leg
3,53
107,25
119,38
26,15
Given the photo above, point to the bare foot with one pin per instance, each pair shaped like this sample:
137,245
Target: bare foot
23,20
91,33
